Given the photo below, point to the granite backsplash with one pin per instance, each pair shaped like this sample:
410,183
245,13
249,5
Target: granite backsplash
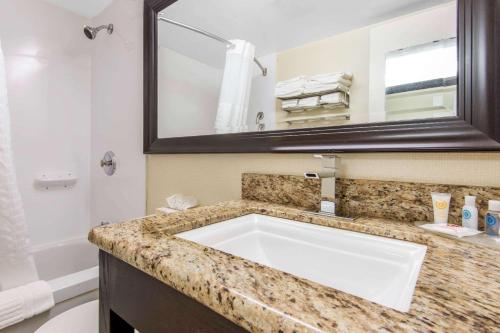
292,191
406,202
402,201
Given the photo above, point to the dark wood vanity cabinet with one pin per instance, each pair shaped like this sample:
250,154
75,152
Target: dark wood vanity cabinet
130,299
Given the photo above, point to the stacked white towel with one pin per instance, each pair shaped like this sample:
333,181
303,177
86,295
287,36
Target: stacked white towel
290,88
309,102
289,104
316,84
18,304
181,202
334,98
316,87
339,77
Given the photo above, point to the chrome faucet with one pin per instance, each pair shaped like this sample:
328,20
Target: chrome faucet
329,166
329,169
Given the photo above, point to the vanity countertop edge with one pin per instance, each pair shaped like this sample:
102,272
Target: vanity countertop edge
457,290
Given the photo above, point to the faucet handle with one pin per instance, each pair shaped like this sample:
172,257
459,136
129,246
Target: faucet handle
328,161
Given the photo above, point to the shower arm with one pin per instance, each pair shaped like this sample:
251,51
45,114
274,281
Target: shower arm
210,35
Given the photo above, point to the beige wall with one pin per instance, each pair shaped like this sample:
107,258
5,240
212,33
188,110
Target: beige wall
215,178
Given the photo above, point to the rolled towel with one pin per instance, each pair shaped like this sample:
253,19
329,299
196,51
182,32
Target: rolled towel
18,304
181,202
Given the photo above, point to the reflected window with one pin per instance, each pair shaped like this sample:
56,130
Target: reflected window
421,81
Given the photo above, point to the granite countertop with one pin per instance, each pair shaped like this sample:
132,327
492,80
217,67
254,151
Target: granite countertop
458,289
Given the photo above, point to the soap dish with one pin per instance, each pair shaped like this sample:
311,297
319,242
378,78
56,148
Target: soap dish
479,238
450,230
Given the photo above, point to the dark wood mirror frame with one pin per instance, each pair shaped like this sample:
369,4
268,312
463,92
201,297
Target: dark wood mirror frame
476,128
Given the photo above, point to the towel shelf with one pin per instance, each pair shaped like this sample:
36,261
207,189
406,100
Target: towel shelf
344,103
326,92
327,106
322,117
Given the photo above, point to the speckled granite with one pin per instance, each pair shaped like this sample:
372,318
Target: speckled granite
407,202
457,291
292,191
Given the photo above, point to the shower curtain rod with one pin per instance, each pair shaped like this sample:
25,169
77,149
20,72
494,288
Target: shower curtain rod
210,35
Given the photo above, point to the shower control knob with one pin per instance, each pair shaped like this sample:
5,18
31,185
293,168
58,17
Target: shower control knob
108,163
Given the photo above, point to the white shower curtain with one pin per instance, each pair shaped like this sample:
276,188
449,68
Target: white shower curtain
235,90
16,265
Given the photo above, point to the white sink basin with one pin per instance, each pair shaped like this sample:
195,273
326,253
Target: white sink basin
378,269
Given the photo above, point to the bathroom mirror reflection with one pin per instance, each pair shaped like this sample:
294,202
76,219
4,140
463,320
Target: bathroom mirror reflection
235,66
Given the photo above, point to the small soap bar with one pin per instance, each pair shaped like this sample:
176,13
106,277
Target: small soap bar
328,207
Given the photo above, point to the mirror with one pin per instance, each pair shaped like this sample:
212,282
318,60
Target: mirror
228,66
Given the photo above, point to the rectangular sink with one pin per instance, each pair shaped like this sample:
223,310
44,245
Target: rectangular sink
378,269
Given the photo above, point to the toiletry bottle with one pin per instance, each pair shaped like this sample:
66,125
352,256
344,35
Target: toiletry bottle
441,206
469,213
492,220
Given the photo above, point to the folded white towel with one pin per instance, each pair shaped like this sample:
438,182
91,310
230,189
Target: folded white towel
18,304
289,103
181,202
332,77
309,102
290,88
315,84
312,84
334,98
287,93
321,88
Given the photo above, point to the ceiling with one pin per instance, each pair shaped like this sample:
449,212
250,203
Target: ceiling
272,25
85,8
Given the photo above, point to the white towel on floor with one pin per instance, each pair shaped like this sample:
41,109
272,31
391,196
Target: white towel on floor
18,304
181,202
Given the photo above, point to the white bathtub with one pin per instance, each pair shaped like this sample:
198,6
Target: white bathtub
71,269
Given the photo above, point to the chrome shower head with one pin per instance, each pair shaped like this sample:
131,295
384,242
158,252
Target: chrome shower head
91,32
